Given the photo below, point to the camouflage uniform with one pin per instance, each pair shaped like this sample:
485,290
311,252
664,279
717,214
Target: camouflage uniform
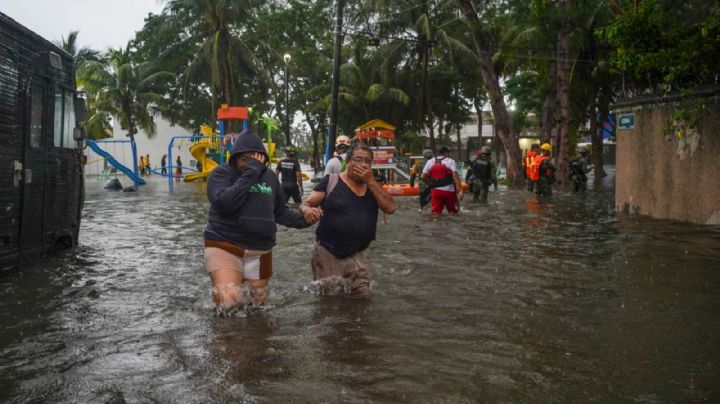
484,174
578,173
543,186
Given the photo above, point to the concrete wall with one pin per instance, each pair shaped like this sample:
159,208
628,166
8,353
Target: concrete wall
666,177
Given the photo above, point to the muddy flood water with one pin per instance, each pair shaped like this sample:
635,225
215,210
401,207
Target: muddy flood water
512,301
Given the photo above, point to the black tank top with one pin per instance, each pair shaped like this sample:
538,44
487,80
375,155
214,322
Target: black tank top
349,221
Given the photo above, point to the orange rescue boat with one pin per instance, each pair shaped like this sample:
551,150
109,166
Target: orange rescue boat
407,190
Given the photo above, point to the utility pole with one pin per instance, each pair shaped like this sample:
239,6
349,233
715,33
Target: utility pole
287,58
332,130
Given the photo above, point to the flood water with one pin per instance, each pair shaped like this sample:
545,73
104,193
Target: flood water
512,301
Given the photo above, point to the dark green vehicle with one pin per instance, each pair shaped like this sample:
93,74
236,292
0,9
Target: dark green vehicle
41,159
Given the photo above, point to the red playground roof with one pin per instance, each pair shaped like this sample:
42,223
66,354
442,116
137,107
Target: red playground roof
240,113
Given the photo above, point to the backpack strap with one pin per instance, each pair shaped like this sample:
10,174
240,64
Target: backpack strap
332,182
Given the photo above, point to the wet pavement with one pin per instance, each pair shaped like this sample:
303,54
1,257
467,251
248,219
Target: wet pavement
511,301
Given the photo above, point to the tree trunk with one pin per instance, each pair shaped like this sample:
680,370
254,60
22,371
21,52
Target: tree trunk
561,148
478,110
503,124
426,96
459,141
596,137
548,112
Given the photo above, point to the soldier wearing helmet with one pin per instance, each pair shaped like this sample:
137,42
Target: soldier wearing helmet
416,171
441,174
579,168
483,172
337,164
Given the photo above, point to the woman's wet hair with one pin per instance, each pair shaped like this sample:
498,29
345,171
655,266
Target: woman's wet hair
358,146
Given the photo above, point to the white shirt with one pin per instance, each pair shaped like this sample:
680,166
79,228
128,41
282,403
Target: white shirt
449,163
334,165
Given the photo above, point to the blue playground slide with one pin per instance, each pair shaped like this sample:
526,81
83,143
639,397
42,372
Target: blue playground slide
114,163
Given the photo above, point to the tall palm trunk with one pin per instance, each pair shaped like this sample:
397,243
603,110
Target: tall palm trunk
426,95
561,148
548,111
503,124
596,137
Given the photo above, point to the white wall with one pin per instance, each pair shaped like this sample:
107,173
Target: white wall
156,147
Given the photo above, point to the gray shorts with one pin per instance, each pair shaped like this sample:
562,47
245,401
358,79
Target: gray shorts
356,269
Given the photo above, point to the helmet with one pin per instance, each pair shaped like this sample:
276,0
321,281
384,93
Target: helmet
583,149
342,139
290,151
428,154
486,150
546,147
444,149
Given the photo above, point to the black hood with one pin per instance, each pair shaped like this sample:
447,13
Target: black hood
247,141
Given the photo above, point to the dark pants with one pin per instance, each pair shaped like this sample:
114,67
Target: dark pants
291,190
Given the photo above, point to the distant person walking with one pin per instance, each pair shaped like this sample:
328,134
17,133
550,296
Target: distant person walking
423,188
350,202
288,169
542,172
163,164
579,168
527,164
178,169
148,167
337,163
484,174
442,176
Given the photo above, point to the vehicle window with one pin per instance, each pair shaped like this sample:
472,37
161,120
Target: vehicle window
36,116
69,117
58,118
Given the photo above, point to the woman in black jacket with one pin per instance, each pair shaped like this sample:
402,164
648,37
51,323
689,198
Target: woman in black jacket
246,201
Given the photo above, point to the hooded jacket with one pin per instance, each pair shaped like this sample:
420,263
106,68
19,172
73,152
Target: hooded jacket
245,205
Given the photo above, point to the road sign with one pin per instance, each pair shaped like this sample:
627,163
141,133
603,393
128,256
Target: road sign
626,121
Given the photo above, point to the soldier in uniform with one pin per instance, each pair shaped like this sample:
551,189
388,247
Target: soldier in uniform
484,173
423,189
579,168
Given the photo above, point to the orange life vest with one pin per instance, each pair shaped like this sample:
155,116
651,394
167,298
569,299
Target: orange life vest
534,171
528,161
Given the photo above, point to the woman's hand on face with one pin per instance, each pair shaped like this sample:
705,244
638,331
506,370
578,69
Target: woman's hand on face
258,156
364,174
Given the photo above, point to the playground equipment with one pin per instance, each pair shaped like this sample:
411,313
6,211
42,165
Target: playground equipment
131,173
380,136
204,152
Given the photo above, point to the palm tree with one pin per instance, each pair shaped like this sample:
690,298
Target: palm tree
417,33
127,90
219,57
361,94
80,56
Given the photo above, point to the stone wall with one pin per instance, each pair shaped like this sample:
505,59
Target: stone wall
668,176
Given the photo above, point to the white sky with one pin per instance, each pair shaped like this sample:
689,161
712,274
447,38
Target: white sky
102,23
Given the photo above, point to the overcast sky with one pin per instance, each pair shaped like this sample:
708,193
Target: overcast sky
102,23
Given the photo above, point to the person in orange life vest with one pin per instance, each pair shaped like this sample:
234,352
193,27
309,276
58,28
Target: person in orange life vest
542,172
527,163
442,176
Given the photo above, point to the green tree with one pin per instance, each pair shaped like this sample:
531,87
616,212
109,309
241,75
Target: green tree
127,90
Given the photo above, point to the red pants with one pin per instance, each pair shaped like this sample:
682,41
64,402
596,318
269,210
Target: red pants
441,199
